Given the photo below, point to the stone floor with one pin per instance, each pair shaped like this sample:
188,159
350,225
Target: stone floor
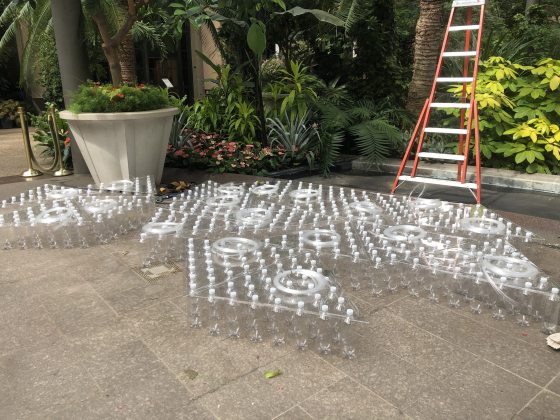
82,335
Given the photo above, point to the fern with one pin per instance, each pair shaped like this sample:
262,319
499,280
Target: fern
330,143
375,139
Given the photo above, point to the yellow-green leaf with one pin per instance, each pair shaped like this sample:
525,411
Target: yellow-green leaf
554,83
269,374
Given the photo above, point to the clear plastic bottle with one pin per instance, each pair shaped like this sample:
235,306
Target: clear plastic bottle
324,331
347,341
278,328
194,307
213,314
300,327
525,305
232,316
551,312
255,333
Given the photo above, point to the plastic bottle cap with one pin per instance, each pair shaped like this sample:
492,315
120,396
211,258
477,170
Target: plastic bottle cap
325,308
340,300
251,287
554,291
300,304
317,296
272,290
333,289
233,295
212,292
277,301
255,298
528,284
349,312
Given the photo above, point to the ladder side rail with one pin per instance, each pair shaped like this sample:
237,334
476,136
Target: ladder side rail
473,94
466,63
432,93
477,152
410,145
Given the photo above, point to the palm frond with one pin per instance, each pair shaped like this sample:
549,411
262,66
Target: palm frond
41,23
330,143
145,32
375,139
363,110
114,13
351,11
15,15
334,117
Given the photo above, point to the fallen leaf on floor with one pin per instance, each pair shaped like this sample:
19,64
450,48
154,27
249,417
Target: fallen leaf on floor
191,374
269,374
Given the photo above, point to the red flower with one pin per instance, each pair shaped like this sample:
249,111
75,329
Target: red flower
66,141
180,153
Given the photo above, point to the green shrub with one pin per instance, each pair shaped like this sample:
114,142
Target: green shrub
44,139
48,70
94,97
519,107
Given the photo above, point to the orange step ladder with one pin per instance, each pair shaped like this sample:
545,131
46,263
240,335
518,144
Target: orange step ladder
468,108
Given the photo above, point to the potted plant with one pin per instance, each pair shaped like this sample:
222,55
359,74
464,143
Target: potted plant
8,113
122,131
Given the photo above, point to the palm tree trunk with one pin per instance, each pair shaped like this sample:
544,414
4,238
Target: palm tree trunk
427,46
127,60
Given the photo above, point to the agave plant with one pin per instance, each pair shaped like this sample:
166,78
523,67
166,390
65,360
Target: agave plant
295,135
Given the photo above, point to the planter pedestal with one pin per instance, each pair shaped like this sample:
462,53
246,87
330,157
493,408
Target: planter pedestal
122,145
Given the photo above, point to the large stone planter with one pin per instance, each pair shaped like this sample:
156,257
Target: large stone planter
122,145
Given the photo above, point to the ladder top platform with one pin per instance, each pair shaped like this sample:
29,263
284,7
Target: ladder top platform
467,3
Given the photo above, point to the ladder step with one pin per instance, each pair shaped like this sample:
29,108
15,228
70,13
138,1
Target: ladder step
434,181
446,130
441,156
454,79
460,54
468,3
464,28
450,105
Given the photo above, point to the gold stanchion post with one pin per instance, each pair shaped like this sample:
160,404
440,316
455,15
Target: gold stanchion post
61,171
30,172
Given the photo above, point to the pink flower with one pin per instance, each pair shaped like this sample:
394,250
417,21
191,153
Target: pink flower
180,153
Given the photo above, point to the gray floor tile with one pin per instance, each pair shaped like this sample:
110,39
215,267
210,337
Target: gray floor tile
545,407
387,375
508,352
24,326
554,386
303,374
428,353
479,391
146,295
110,351
241,400
348,400
295,413
78,307
43,381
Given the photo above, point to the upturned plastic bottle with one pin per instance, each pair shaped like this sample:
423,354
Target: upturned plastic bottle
324,333
277,325
552,312
213,314
300,327
255,333
525,305
194,308
232,316
347,342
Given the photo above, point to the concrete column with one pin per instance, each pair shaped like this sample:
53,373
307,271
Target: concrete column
72,58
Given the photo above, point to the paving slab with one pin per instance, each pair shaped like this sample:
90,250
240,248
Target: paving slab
83,335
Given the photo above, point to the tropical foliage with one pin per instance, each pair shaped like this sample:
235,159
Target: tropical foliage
519,108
